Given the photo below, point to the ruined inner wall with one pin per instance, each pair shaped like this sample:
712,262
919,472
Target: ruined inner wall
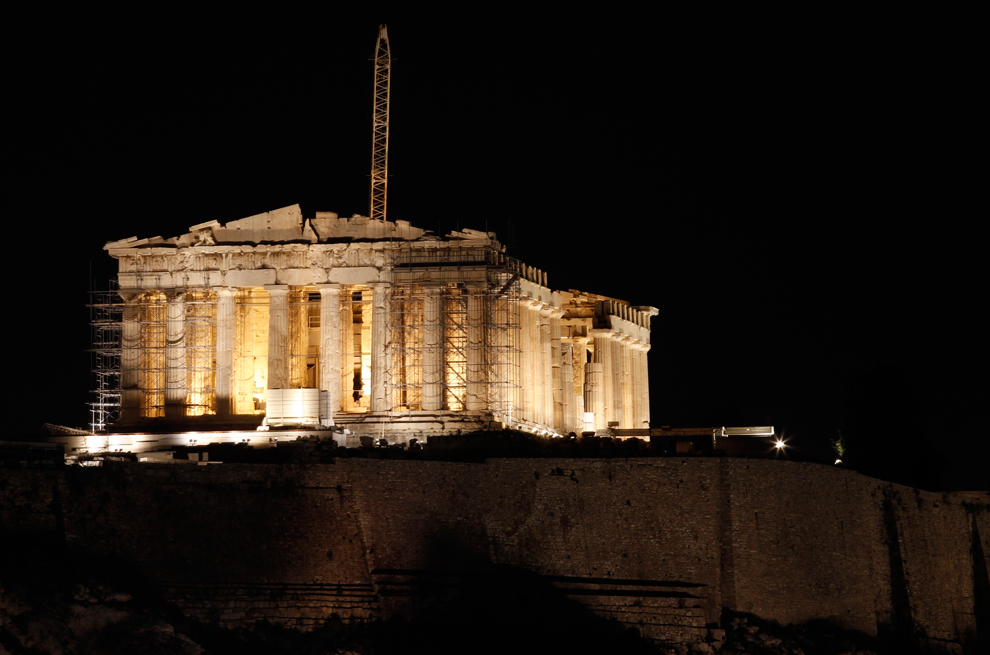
294,544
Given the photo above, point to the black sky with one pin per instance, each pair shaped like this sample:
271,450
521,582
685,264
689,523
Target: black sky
796,189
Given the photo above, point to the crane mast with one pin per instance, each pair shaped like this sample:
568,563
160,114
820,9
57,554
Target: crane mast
379,148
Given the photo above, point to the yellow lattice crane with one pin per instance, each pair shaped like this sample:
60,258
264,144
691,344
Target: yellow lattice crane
379,149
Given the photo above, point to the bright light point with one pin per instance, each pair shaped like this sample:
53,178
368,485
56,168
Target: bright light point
838,461
779,445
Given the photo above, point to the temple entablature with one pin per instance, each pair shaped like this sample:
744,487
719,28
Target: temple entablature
537,292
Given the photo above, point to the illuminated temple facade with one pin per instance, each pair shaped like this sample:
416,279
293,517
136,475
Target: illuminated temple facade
376,326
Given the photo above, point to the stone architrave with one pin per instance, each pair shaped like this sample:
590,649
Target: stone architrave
381,350
278,336
226,335
175,354
330,361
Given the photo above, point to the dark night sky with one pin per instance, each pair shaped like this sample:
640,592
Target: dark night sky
794,188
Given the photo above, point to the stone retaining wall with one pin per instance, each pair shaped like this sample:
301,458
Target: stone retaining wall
295,544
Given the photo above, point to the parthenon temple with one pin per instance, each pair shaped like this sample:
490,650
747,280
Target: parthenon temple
376,326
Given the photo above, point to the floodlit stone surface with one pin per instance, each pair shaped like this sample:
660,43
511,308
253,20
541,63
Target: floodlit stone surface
407,332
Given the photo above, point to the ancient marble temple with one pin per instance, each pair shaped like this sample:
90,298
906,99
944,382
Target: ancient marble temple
376,326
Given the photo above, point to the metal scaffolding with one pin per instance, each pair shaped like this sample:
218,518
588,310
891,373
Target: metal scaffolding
200,345
450,325
132,344
105,314
304,338
454,324
355,348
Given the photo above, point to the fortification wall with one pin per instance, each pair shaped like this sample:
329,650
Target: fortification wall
805,540
933,572
295,544
642,520
232,543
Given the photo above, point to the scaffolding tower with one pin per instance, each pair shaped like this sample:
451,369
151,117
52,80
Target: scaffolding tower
450,322
455,330
132,344
105,319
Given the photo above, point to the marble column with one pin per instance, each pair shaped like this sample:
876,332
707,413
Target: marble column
175,354
603,356
567,416
536,363
615,412
130,358
381,350
500,369
545,378
594,393
557,371
516,358
635,350
644,385
433,397
346,351
628,387
476,397
578,362
527,355
278,336
330,360
226,334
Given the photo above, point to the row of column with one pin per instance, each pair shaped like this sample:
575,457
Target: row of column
435,355
617,381
161,353
331,342
541,385
438,365
174,346
443,364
